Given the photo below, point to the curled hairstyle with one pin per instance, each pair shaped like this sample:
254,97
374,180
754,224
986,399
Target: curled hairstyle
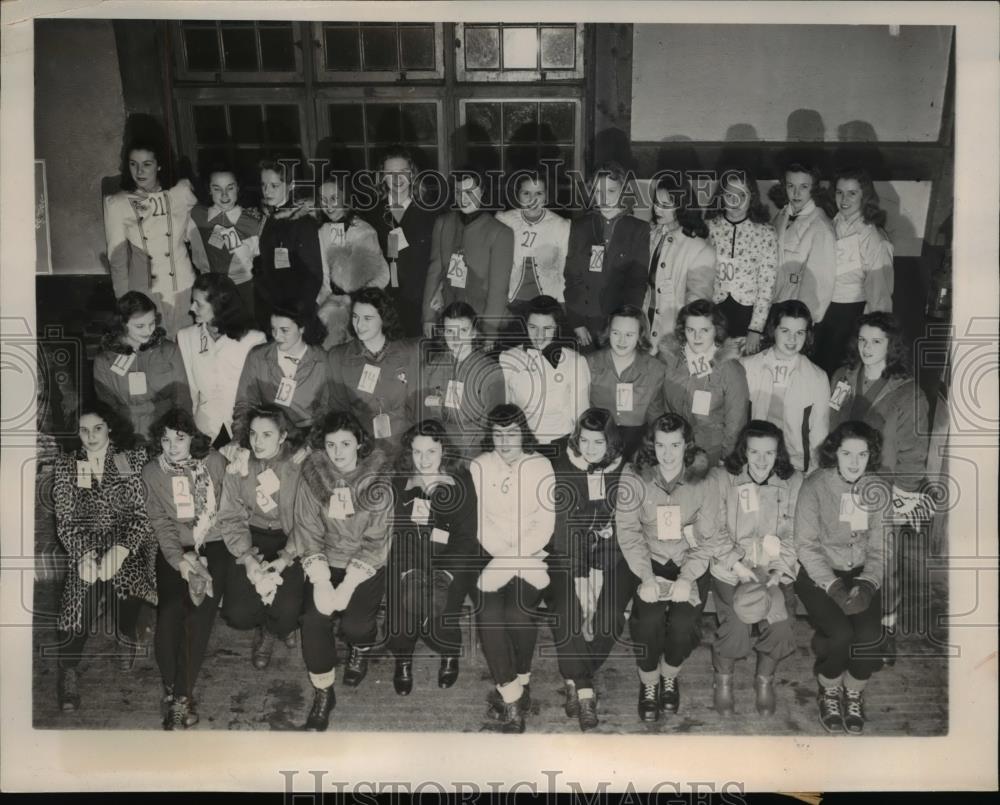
378,299
279,417
686,210
341,420
644,344
120,431
789,309
756,212
700,307
613,170
852,429
667,423
503,416
760,429
822,196
462,310
181,421
229,316
599,420
871,212
434,430
303,314
132,303
897,356
342,181
157,147
512,186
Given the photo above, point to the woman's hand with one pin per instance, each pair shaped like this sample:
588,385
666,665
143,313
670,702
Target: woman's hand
752,343
87,568
583,336
743,573
649,591
681,591
301,454
773,578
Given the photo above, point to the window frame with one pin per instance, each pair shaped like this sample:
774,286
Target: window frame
520,76
396,77
233,77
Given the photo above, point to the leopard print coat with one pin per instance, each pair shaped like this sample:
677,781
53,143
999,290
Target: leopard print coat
112,511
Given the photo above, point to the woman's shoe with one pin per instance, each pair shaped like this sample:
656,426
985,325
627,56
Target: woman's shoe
324,700
649,701
572,704
262,649
448,672
588,713
670,694
181,714
402,680
763,687
357,667
512,720
722,694
854,712
831,709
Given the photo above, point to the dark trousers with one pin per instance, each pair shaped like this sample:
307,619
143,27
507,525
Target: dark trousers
120,616
243,607
183,629
566,620
609,623
358,626
423,610
666,628
735,639
737,317
631,439
508,629
245,290
839,638
833,335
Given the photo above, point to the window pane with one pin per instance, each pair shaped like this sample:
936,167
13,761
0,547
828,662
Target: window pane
380,47
246,164
558,48
484,157
383,123
520,48
417,47
521,157
202,48
282,125
347,123
247,124
239,45
419,122
482,121
426,158
558,122
520,122
343,51
482,48
210,125
277,49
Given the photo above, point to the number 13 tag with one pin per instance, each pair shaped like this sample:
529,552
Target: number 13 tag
623,397
286,390
668,522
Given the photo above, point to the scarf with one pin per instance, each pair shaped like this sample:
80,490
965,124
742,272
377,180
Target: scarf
203,491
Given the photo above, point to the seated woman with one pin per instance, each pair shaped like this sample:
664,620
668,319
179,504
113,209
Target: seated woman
514,489
139,372
705,383
375,376
459,383
352,258
434,560
667,518
102,524
843,550
341,529
215,349
584,555
754,564
183,485
624,378
265,583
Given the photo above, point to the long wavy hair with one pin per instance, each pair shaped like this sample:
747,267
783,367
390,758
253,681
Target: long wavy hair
544,306
303,313
644,344
462,310
897,356
822,196
756,212
158,148
695,459
852,429
229,316
378,299
434,430
279,416
504,416
132,303
687,212
120,432
599,420
341,420
760,429
871,211
789,309
181,421
700,307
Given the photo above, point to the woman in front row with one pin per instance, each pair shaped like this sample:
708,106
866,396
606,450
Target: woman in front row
434,560
842,547
264,586
754,564
183,487
667,517
514,488
341,529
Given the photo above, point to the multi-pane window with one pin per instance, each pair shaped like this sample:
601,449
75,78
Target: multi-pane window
520,133
519,51
362,129
380,51
239,51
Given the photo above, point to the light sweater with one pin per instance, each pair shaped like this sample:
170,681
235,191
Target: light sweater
552,397
682,269
864,265
546,241
746,255
807,259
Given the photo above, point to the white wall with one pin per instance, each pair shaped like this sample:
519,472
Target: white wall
697,81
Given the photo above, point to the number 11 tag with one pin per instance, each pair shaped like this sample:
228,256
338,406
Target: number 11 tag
595,486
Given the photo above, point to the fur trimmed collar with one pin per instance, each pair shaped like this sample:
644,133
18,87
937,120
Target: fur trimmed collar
323,478
578,461
115,342
672,351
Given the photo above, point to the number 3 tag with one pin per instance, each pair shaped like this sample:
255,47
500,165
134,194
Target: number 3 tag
668,522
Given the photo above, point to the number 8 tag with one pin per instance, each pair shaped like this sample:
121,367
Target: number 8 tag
668,522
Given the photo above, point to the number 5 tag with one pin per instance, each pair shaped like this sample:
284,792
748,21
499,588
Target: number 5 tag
668,522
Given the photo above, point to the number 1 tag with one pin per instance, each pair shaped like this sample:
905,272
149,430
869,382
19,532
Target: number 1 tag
453,394
286,390
595,486
668,522
852,514
341,506
457,271
748,498
122,363
183,501
136,383
701,403
839,394
369,378
421,511
281,258
84,475
382,426
623,397
597,259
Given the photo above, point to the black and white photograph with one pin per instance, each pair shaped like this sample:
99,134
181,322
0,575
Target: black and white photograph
544,392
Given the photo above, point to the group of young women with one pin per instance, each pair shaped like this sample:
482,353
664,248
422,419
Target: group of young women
518,410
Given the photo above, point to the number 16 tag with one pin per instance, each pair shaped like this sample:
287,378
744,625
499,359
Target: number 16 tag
668,522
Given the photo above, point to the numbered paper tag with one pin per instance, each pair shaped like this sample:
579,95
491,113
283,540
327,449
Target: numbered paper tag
393,274
852,514
433,401
771,546
341,505
701,403
623,397
369,378
286,390
382,426
183,501
281,257
267,482
396,242
839,394
337,234
265,502
453,395
794,277
457,271
748,497
595,486
84,475
668,522
122,363
136,383
421,511
221,238
439,535
699,365
781,373
597,258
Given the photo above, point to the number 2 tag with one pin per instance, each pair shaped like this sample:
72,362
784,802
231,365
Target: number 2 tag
668,522
183,501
